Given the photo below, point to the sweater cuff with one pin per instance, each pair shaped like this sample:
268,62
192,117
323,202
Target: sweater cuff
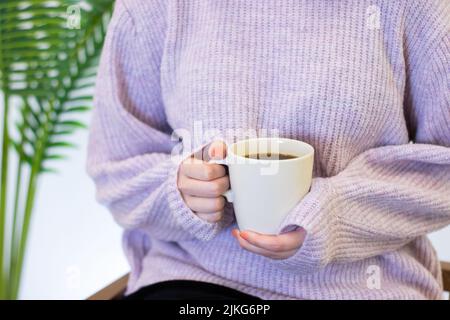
317,213
187,219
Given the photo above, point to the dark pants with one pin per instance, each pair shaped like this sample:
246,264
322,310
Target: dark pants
187,290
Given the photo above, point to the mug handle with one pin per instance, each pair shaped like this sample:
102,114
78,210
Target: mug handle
229,193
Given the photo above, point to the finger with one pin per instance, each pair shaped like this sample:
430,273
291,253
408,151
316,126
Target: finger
217,150
266,253
249,247
200,170
205,205
211,217
205,189
278,243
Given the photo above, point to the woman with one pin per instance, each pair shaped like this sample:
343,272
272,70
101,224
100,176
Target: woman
364,82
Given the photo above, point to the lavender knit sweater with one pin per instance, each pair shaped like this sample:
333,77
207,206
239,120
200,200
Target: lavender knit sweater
365,82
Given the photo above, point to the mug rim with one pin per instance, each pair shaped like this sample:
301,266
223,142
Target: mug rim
308,154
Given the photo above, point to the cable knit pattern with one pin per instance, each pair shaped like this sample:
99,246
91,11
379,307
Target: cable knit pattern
365,82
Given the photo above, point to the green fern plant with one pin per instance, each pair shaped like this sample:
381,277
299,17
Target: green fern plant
47,71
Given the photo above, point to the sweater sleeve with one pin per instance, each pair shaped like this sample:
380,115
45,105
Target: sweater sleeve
386,196
129,155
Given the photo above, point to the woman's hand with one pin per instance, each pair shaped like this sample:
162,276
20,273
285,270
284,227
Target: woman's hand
202,184
275,247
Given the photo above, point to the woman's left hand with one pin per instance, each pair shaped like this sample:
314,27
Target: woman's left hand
275,247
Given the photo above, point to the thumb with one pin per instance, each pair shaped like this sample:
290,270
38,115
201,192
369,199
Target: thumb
217,150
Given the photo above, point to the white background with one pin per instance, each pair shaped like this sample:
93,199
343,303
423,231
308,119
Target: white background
74,247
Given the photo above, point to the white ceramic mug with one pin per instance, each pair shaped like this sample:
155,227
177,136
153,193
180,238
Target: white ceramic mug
264,191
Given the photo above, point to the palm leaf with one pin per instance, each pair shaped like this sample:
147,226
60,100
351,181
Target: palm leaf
52,84
50,68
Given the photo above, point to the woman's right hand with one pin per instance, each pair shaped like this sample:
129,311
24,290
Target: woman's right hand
202,184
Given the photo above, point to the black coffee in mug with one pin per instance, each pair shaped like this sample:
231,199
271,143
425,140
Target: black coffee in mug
270,156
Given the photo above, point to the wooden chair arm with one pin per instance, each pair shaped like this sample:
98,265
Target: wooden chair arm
114,291
445,266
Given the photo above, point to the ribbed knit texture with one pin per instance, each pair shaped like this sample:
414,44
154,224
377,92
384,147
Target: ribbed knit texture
365,82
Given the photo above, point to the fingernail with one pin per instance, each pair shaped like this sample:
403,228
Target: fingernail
244,235
237,233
